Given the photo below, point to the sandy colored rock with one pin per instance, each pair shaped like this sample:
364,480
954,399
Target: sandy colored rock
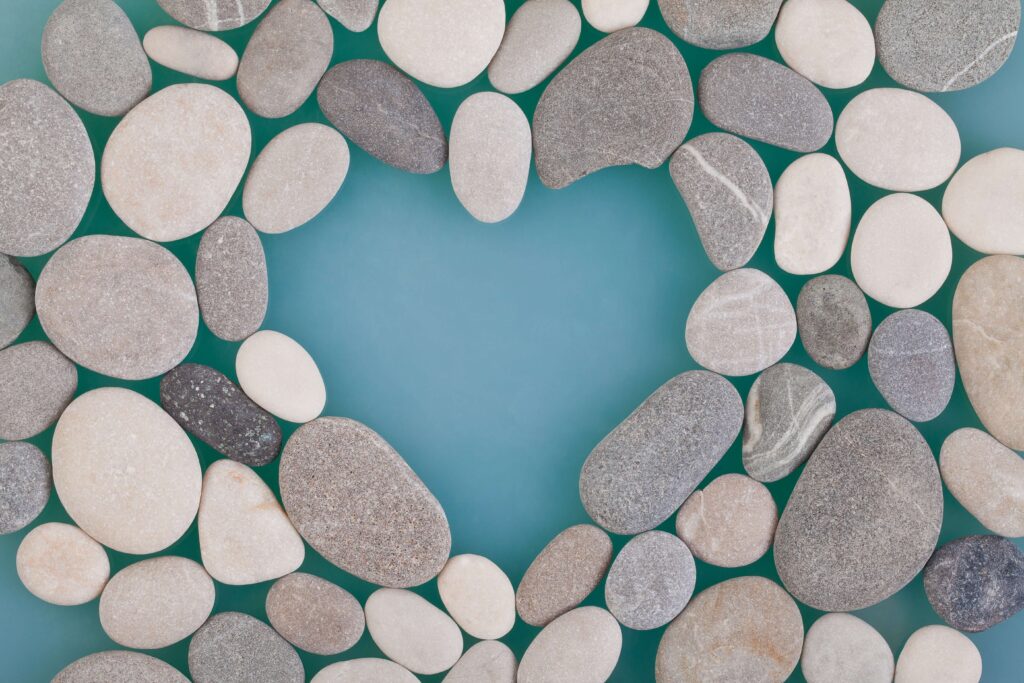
935,653
362,670
17,298
609,16
983,204
315,615
355,15
231,279
488,661
829,42
730,522
412,632
119,666
987,478
280,376
235,648
720,24
60,564
650,581
834,321
191,52
214,15
36,383
539,37
25,485
478,595
840,648
581,646
812,215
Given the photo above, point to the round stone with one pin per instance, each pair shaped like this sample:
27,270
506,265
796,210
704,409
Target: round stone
214,15
812,215
650,581
355,15
280,376
119,666
120,306
124,471
60,564
17,297
987,478
581,646
938,653
412,632
36,383
362,670
730,522
538,39
235,648
25,484
478,595
827,41
609,16
834,321
720,24
983,204
489,661
314,615
191,52
231,279
840,648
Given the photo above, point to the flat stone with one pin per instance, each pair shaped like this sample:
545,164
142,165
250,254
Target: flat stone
93,57
834,321
47,171
741,324
627,99
901,253
357,502
156,602
760,99
563,574
280,376
235,648
17,298
25,484
478,595
412,632
789,409
640,474
730,522
214,15
445,43
650,581
829,42
60,564
938,653
315,615
188,140
609,16
191,52
36,383
897,140
231,279
539,37
486,662
124,471
244,535
985,477
119,666
728,191
983,204
911,364
355,15
383,112
743,629
720,24
362,670
581,646
840,648
976,582
812,215
864,516
938,46
120,306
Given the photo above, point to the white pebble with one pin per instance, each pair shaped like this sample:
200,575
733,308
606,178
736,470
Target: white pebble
478,595
613,15
938,653
280,376
812,215
60,564
412,632
191,52
840,648
827,41
984,202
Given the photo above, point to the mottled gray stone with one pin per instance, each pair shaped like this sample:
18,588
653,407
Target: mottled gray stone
119,666
647,466
489,661
36,383
627,99
834,321
214,15
650,581
911,362
315,615
976,582
25,485
728,191
720,24
235,648
383,112
581,646
840,648
231,279
357,502
17,299
355,15
789,409
757,98
539,37
864,516
943,45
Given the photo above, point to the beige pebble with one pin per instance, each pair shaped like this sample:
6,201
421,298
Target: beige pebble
938,653
489,661
367,670
983,204
609,16
60,564
987,478
315,615
280,376
412,632
581,646
478,595
812,215
539,37
840,648
827,41
191,52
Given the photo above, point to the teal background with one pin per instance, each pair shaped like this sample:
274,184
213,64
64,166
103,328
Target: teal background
494,357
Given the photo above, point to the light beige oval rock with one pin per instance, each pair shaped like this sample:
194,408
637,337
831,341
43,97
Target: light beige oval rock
938,653
156,602
984,202
191,52
364,671
828,42
280,376
609,16
60,564
581,646
812,215
478,595
840,648
125,471
315,615
987,478
412,632
36,382
488,661
539,37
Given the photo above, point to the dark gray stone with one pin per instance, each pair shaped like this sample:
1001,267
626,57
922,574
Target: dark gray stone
119,666
25,485
231,279
834,321
36,383
355,15
235,648
625,100
720,24
214,15
17,299
650,581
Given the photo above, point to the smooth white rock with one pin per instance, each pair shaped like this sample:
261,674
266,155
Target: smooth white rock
280,376
840,648
581,646
478,595
812,215
489,661
367,670
938,653
828,42
60,564
984,202
191,52
412,632
538,39
613,15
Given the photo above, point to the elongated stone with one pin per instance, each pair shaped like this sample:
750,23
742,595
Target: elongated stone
730,522
355,15
315,615
834,321
985,477
280,376
214,15
367,669
830,42
489,661
412,632
581,646
25,485
17,298
231,279
36,383
812,215
191,52
119,666
60,564
935,653
539,37
983,204
840,648
650,581
235,648
478,595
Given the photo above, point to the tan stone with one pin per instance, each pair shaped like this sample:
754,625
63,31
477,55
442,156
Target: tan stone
315,615
938,653
730,522
581,646
60,564
191,52
987,478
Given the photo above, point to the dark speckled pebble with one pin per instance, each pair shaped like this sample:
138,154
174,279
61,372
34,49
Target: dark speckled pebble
235,648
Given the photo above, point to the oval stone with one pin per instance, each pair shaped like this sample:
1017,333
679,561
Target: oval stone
720,24
489,661
730,522
362,670
36,383
315,615
539,37
187,140
231,279
812,215
640,474
357,502
214,15
60,564
864,516
124,471
280,376
987,478
983,204
938,653
156,602
834,321
25,484
478,595
235,648
17,297
119,666
650,581
840,648
609,16
191,52
827,41
581,646
355,15
412,632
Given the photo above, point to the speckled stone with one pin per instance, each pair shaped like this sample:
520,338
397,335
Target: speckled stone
812,215
581,646
609,16
640,474
539,37
191,52
976,582
93,57
119,666
760,99
743,629
943,45
983,204
383,112
627,99
315,615
938,653
730,522
728,191
650,581
119,306
489,661
214,15
789,409
478,595
231,279
25,484
412,632
235,648
720,24
47,171
829,42
840,648
355,15
985,477
17,298
864,516
363,670
280,376
36,383
563,574
60,564
357,502
834,321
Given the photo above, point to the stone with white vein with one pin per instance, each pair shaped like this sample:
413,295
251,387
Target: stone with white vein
539,37
812,215
609,16
60,564
412,632
983,204
280,376
355,15
214,15
830,42
191,52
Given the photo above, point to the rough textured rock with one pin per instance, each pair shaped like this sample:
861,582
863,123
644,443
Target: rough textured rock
191,52
17,298
235,648
938,653
640,474
383,112
864,516
720,24
539,37
214,15
614,15
315,615
478,595
60,564
357,502
829,42
728,191
412,632
834,321
486,662
280,376
911,362
581,646
812,215
840,648
36,383
367,669
983,204
355,15
730,522
987,478
627,99
231,279
650,581
119,666
25,484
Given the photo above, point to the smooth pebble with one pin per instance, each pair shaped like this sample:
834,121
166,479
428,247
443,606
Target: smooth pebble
840,648
36,383
650,581
191,52
355,15
985,477
236,648
983,204
478,596
938,653
581,646
813,213
609,16
214,15
412,632
829,42
834,321
538,39
730,522
280,376
60,564
315,615
25,485
119,666
17,298
231,279
720,24
364,670
489,661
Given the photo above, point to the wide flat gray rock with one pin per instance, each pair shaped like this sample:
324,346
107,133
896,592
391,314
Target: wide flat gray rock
119,666
834,321
720,24
235,648
539,37
17,299
650,581
214,15
36,383
315,615
355,15
25,485
231,279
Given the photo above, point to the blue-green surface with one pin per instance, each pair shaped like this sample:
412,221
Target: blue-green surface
493,357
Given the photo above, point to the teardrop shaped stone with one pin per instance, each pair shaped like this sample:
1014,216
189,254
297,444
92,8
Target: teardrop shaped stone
489,661
539,37
355,15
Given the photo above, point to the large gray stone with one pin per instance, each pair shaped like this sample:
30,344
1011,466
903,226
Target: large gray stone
539,37
650,581
119,666
231,279
834,321
36,383
355,15
214,15
235,648
315,615
25,485
720,24
17,299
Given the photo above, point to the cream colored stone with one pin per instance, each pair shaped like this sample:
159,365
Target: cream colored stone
613,15
60,564
987,478
812,215
367,670
840,648
581,646
539,37
191,52
827,41
489,661
412,632
280,376
478,595
984,202
938,653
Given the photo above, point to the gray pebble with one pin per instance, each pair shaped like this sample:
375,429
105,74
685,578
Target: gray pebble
36,384
650,581
757,98
17,299
235,648
489,661
214,15
834,321
25,485
720,24
382,111
119,666
728,191
539,37
315,615
355,15
627,99
231,279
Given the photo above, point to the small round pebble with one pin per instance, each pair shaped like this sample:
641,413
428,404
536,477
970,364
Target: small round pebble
730,522
581,646
828,41
355,15
478,595
214,15
119,666
609,16
236,648
412,632
812,215
983,204
985,477
489,661
17,299
650,581
36,383
840,648
191,52
280,376
720,24
231,279
938,653
315,615
60,564
25,485
834,321
538,39
365,671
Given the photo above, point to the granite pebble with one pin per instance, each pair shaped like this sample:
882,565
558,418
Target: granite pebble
214,15
478,596
834,321
315,615
650,581
280,376
538,39
25,485
489,661
36,383
987,478
983,204
119,666
609,16
730,522
231,279
829,42
191,52
60,564
364,670
938,653
236,648
720,24
581,646
840,648
355,15
412,632
812,215
17,299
